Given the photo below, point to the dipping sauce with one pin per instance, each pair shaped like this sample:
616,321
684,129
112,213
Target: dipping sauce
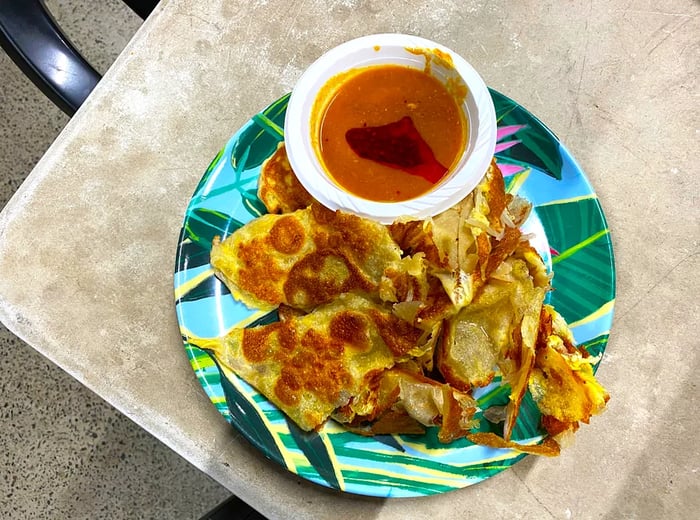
389,133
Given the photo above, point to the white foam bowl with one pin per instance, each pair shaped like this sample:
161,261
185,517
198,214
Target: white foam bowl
385,49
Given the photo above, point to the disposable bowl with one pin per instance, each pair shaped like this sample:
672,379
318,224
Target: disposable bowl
300,129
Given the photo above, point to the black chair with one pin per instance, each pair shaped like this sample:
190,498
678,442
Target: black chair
33,40
233,508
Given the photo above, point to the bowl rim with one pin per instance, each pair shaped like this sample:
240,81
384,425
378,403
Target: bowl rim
311,173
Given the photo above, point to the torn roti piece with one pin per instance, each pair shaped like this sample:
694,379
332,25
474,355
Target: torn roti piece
562,383
548,448
488,332
465,244
403,400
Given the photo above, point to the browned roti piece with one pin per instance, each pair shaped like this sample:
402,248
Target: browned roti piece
278,186
304,259
310,365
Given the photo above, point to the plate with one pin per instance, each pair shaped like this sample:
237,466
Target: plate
568,228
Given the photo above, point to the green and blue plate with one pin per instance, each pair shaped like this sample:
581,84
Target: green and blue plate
568,228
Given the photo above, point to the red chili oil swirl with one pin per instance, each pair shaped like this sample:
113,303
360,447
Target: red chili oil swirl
397,145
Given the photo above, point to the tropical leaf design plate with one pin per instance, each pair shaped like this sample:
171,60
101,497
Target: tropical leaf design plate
570,232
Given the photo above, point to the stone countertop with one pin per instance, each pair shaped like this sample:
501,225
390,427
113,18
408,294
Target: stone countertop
87,244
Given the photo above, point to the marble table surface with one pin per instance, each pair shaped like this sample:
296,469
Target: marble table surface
87,244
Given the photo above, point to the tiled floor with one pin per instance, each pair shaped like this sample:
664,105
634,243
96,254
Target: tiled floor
65,453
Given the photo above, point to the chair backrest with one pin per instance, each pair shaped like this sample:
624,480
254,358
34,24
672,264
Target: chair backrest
34,41
141,7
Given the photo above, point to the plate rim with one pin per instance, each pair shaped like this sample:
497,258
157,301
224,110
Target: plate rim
223,156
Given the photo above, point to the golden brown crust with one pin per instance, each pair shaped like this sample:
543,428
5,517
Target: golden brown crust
278,187
412,238
322,275
456,416
496,197
287,236
304,259
400,336
255,342
501,249
314,364
257,276
548,448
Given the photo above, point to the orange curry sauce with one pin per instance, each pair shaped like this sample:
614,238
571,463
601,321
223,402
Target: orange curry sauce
390,133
